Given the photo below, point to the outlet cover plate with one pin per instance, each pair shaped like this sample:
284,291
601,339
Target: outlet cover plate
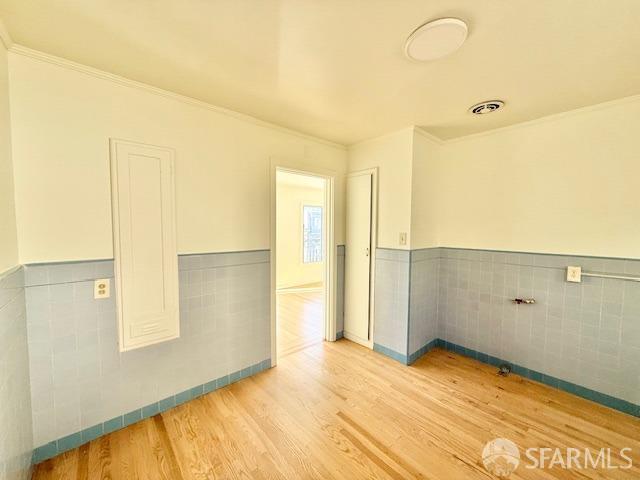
574,274
101,288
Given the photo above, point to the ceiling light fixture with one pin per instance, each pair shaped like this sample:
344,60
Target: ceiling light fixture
489,106
436,39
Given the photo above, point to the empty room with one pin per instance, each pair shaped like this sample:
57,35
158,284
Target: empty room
338,239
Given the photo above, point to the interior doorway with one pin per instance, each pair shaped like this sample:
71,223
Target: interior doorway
301,260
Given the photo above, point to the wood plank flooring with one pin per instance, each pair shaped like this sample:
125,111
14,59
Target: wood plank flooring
300,321
340,411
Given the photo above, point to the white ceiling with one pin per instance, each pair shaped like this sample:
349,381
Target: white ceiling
335,68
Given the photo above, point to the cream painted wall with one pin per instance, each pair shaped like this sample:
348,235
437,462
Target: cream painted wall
291,271
8,237
393,156
425,203
566,184
62,120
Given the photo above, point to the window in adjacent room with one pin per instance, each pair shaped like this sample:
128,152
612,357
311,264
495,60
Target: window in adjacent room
311,234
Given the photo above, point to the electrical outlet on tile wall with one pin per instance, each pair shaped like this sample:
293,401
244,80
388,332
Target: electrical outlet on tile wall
574,274
101,288
403,238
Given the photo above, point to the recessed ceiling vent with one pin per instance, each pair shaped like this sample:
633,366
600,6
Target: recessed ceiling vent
486,107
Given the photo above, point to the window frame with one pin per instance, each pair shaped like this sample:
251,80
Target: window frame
303,249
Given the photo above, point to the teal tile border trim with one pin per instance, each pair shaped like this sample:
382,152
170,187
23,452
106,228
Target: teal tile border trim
597,397
601,398
403,358
74,440
390,353
422,350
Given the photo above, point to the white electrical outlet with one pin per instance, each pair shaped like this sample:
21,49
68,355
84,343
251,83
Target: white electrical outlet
403,238
101,288
574,274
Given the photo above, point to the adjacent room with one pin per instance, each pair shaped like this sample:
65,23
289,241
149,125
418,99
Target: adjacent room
312,239
300,261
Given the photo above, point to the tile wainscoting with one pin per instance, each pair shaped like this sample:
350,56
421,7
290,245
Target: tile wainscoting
83,387
391,302
582,337
74,440
406,301
423,301
16,442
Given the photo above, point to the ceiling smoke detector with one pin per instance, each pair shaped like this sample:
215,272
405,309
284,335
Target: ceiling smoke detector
486,107
436,39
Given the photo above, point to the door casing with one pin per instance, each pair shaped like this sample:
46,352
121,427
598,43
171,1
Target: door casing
330,275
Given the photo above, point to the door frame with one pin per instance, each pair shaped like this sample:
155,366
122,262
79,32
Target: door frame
330,267
374,244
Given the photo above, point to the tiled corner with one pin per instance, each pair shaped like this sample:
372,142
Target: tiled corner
585,334
391,300
423,300
399,357
589,394
422,351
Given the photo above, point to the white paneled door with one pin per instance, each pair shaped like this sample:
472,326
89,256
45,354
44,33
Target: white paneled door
358,251
146,261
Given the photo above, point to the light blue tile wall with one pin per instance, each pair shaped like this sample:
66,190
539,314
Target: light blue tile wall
79,379
391,300
406,302
586,333
423,298
16,439
340,291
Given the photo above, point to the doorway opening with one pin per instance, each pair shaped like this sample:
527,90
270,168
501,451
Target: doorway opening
301,260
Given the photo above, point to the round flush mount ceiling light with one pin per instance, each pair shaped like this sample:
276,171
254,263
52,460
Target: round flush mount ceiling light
436,39
489,106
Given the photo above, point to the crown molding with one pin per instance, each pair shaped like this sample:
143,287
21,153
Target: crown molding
101,74
514,126
547,118
429,136
5,38
366,141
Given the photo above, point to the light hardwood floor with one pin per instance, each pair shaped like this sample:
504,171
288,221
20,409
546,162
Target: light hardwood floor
300,321
340,411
